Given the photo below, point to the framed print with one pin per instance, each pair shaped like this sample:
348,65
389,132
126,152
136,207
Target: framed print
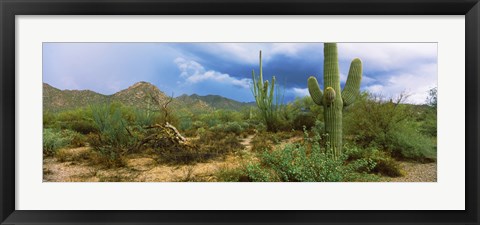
266,112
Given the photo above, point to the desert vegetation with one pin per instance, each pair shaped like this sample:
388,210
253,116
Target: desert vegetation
336,135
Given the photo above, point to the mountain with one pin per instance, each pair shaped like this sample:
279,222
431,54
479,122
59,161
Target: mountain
139,95
215,101
55,99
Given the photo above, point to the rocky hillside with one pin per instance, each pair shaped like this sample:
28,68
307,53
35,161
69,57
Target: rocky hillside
55,99
139,95
214,101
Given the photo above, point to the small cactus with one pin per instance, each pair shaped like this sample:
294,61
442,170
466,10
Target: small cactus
334,100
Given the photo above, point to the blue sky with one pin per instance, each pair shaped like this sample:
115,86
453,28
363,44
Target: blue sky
225,68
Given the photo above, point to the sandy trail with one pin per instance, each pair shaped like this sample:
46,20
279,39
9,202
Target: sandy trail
417,172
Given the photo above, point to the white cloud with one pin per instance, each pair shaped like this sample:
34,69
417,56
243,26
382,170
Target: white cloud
299,92
387,56
395,68
414,83
367,79
376,88
343,77
193,72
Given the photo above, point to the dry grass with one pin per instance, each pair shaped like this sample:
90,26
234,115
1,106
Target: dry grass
83,165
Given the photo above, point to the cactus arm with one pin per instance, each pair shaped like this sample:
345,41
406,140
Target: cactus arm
352,86
261,69
329,96
254,83
270,97
315,91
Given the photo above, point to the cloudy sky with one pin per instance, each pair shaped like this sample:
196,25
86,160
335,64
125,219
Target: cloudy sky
226,68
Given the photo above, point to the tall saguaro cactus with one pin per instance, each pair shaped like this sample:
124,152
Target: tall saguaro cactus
333,99
264,97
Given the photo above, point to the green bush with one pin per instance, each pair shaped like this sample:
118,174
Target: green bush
114,136
407,143
296,163
209,146
48,119
302,162
229,127
389,125
382,163
76,139
304,120
262,141
79,120
185,123
53,140
429,123
144,117
231,175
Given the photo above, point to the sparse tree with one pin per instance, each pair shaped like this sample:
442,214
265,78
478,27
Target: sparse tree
432,97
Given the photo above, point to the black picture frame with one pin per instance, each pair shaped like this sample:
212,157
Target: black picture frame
10,8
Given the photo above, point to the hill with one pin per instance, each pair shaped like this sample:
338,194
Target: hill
139,95
214,101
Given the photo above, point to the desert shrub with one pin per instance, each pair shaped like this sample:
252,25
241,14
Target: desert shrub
384,164
389,125
260,127
48,119
53,140
76,139
429,125
306,162
185,123
231,175
209,119
209,146
143,117
84,155
296,163
200,131
226,116
229,127
372,119
429,122
263,141
198,124
114,137
79,120
82,126
407,143
218,144
304,119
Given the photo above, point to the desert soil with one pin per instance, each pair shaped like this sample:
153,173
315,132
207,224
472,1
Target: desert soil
417,172
144,168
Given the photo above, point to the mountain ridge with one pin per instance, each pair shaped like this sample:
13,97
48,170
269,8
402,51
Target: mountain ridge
140,95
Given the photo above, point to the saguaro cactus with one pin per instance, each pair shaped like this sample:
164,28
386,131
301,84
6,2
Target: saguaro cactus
334,100
264,97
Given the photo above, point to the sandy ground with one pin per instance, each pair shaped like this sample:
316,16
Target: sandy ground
144,168
417,172
137,169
